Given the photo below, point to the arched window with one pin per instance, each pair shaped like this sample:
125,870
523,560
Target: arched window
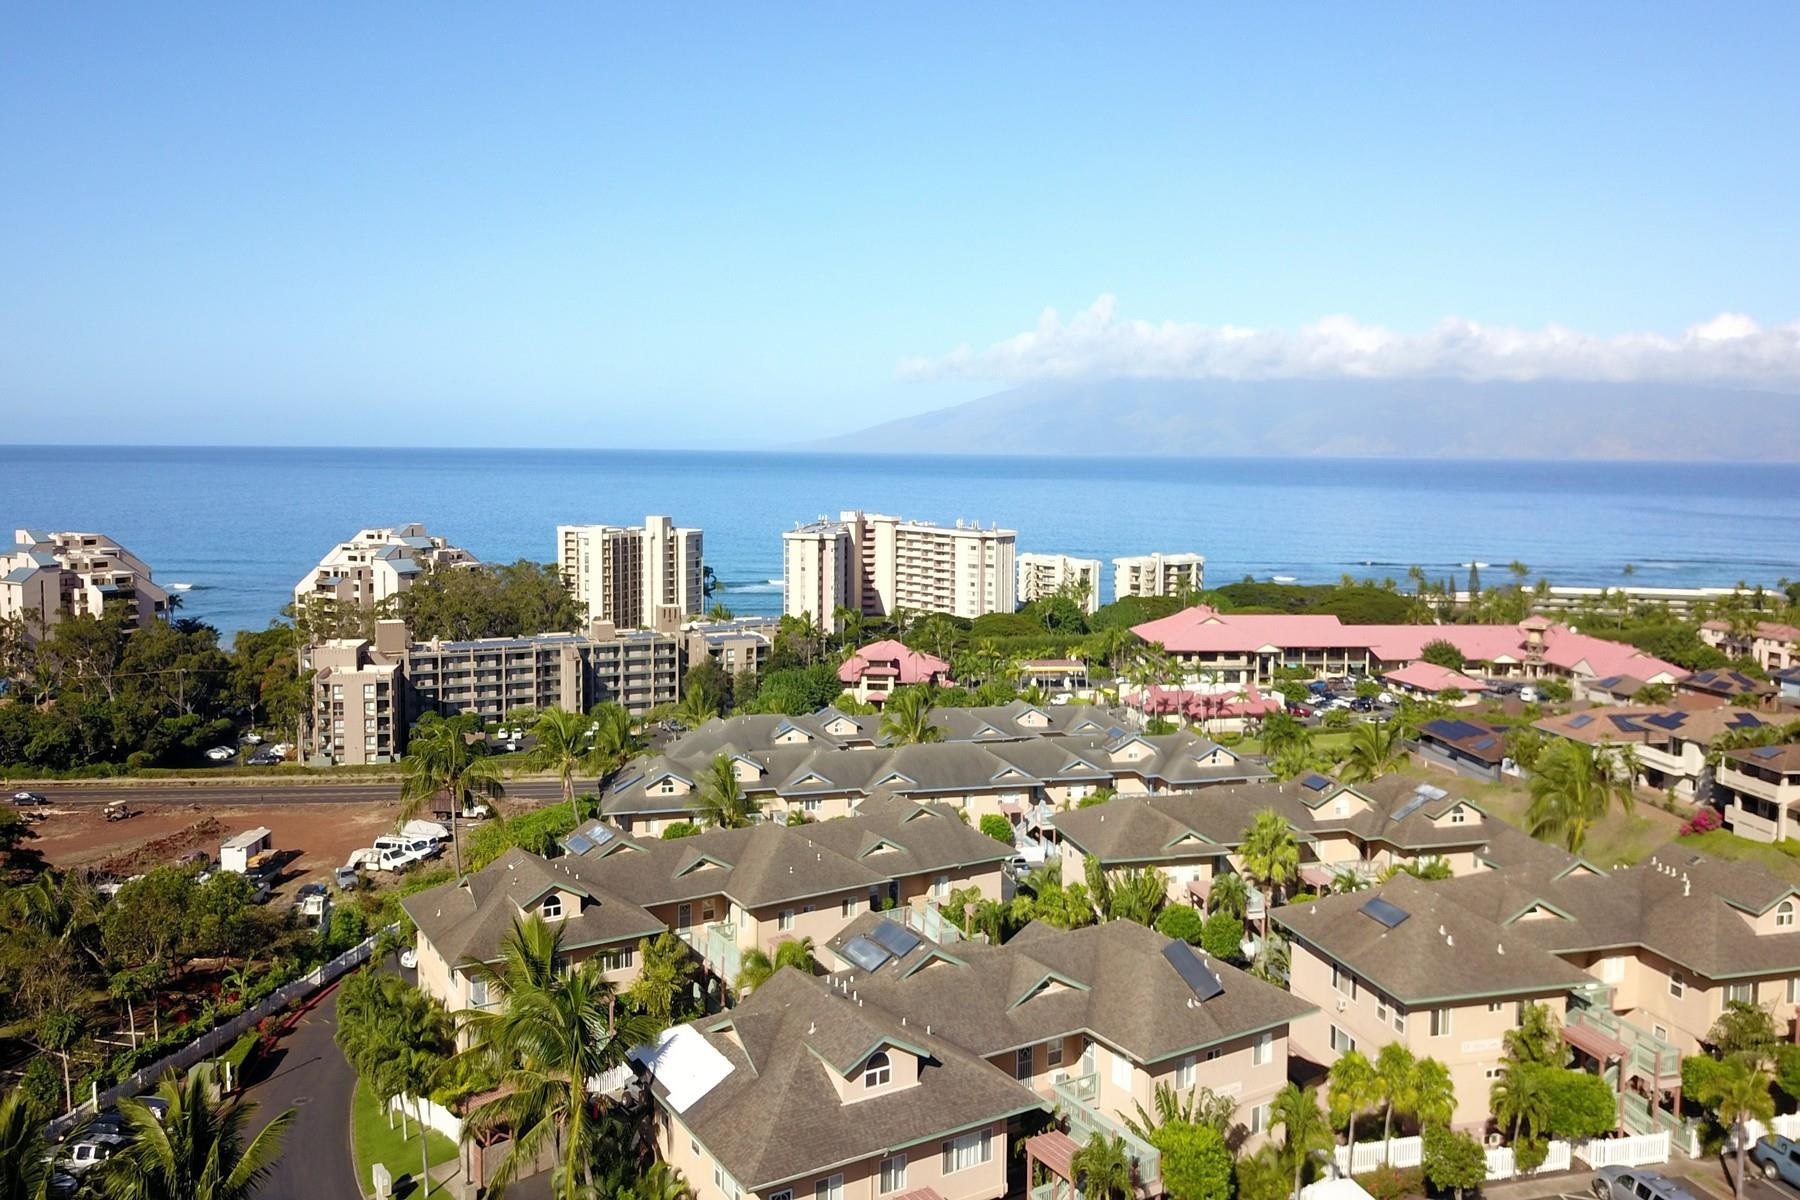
876,1072
1784,914
551,908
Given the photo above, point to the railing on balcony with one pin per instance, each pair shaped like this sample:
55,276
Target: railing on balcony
1078,1099
716,944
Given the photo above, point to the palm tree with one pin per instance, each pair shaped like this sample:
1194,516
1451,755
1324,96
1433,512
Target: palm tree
1271,856
553,1030
24,1171
1228,894
1296,1112
1201,1106
1282,731
615,736
1102,1169
1573,789
1739,1092
696,707
1348,879
662,1182
756,965
906,718
1396,1072
562,747
441,761
723,803
1374,750
1433,1093
196,1151
1353,1088
1520,1099
665,972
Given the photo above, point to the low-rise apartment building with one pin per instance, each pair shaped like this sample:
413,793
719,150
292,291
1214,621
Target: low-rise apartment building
49,577
878,668
1757,790
649,576
376,566
1772,645
737,645
1044,575
878,565
1158,575
1669,743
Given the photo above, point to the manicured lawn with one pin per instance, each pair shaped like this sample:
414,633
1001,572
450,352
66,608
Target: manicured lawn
376,1143
1781,859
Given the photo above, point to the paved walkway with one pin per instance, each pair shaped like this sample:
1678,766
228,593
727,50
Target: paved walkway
312,1078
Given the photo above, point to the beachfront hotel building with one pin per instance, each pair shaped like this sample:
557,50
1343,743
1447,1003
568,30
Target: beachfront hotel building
377,565
1158,574
47,577
876,565
1042,575
649,576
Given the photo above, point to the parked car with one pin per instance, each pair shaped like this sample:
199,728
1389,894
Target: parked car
1635,1183
1528,694
1300,710
118,810
1778,1158
264,758
91,1151
221,754
346,878
251,739
30,798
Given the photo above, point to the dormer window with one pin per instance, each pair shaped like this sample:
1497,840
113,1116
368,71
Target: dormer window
877,1071
1784,915
551,909
1458,816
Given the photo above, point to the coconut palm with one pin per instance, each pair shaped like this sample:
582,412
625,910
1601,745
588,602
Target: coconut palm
1102,1169
1375,749
441,761
756,965
1348,879
196,1151
1396,1072
615,736
1739,1092
1283,731
550,1031
563,748
1353,1088
662,1182
666,969
1572,789
1229,894
1296,1112
24,1171
906,718
1271,857
723,803
697,706
1520,1100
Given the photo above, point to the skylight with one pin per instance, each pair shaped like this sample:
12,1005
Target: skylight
1387,913
895,939
865,954
1196,974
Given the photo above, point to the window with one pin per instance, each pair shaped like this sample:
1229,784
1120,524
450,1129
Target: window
616,960
1491,1074
1612,969
1121,1070
1022,1062
1053,1052
1677,986
1262,1051
551,908
1259,1119
784,1194
893,1174
1740,993
1212,1055
727,1186
1458,816
693,1147
829,1189
940,887
1440,1022
848,907
786,920
1184,1072
1381,1008
1495,1006
478,993
1661,1031
1343,982
1784,915
969,1150
877,1071
811,807
1341,1042
1793,991
707,910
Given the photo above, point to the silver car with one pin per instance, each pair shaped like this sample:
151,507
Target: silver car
1635,1183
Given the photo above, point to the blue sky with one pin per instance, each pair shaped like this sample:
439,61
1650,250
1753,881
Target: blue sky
726,226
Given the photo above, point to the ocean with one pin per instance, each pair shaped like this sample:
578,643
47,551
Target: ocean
233,529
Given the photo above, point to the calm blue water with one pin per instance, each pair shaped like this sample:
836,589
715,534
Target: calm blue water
242,525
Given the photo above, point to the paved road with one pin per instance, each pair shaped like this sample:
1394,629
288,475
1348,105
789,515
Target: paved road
252,791
313,1079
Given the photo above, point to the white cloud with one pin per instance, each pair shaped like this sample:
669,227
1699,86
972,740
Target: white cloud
1096,343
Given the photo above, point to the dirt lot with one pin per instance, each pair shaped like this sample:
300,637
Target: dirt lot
324,834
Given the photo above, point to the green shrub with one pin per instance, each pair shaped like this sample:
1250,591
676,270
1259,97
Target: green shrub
1195,1162
1453,1161
1223,936
1393,1183
997,827
680,829
1581,1105
1182,922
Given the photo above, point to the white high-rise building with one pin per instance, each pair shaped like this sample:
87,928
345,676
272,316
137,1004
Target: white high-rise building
1158,574
641,576
47,577
1043,575
377,565
875,564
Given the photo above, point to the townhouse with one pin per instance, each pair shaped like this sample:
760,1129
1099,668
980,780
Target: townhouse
1773,646
826,767
1670,743
1757,790
1727,686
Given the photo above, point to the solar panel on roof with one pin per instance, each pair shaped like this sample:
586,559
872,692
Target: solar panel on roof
1486,743
1626,725
599,834
1672,720
865,954
1765,752
1745,720
1196,974
1388,914
896,939
577,843
1580,721
1422,795
1315,783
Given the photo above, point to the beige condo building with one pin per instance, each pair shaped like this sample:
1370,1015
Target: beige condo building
640,576
876,564
377,565
1158,574
1042,575
46,577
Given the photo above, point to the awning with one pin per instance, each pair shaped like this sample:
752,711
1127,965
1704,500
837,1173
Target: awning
1011,808
1198,888
1055,1149
1317,874
1592,1042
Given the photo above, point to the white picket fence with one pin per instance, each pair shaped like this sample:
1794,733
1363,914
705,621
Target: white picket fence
1410,1152
436,1116
1624,1152
1787,1125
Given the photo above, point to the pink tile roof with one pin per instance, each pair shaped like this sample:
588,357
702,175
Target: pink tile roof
1429,677
892,658
1202,706
1202,630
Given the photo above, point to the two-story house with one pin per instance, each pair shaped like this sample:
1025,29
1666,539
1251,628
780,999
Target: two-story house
1757,789
1669,742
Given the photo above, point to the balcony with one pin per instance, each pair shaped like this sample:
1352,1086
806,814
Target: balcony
1077,1100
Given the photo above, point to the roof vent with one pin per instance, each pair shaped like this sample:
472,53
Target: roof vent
812,1027
1449,939
1500,948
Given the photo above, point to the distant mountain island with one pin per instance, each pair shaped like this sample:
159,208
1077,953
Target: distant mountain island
1415,418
